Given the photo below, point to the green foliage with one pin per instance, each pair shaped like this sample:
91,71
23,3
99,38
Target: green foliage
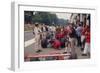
43,17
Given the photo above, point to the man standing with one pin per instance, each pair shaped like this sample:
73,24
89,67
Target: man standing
37,32
87,43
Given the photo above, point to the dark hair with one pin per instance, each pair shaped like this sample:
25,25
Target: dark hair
36,25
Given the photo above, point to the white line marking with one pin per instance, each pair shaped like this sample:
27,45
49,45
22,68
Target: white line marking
29,42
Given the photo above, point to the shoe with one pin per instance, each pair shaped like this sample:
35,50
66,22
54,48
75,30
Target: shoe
38,51
84,54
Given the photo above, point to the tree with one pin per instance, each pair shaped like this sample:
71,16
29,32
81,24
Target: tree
43,17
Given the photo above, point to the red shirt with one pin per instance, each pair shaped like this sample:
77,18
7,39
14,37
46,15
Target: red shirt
56,44
88,37
84,29
59,35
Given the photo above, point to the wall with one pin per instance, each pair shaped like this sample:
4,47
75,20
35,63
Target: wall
5,33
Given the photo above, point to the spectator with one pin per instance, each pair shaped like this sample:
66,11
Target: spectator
78,32
37,37
87,43
83,37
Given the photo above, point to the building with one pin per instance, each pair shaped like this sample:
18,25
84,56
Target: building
82,18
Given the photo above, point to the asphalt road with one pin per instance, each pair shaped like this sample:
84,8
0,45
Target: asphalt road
28,35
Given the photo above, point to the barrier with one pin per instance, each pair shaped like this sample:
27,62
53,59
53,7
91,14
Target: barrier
55,56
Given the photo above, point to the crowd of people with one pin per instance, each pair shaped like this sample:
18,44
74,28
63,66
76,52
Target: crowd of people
68,37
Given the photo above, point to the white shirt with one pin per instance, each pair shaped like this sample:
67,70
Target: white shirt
37,31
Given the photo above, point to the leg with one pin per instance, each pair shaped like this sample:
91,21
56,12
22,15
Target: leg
88,51
85,49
